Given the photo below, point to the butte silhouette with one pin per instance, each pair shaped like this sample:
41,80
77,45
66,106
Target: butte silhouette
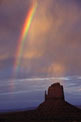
53,109
55,106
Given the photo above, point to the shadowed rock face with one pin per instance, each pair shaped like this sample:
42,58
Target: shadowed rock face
56,106
55,91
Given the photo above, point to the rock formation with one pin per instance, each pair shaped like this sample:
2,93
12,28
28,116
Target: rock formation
53,109
55,105
55,91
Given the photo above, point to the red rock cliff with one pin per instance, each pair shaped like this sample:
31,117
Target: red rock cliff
55,91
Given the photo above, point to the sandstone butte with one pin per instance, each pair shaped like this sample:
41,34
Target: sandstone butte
53,109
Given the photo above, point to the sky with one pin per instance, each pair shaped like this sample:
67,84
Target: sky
52,48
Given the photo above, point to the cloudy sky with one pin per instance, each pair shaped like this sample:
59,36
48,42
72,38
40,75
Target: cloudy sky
52,47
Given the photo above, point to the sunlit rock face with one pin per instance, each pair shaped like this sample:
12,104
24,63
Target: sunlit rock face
55,91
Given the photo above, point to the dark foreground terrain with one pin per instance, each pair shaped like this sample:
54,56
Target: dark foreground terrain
53,109
67,115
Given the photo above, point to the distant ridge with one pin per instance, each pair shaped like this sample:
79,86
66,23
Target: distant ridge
15,110
53,109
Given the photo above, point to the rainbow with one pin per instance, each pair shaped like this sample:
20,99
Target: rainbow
23,36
